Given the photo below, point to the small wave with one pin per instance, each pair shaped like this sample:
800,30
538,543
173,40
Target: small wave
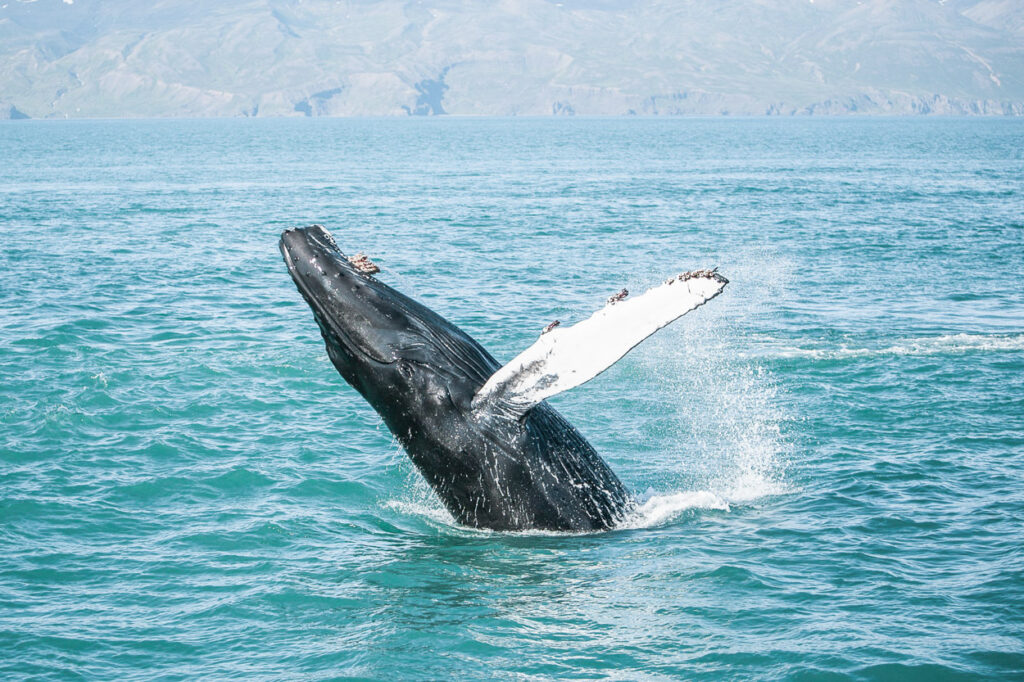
653,510
935,345
438,516
660,509
434,513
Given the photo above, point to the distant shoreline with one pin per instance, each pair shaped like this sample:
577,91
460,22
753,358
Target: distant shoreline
549,117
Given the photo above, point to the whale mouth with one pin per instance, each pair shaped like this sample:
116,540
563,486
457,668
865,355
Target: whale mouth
331,285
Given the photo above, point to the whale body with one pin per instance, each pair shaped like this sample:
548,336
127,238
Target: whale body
496,454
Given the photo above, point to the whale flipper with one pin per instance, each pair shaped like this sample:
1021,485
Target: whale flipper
565,357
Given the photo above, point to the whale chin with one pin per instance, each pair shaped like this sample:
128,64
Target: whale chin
361,317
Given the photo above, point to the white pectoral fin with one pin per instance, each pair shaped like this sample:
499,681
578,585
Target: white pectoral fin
566,357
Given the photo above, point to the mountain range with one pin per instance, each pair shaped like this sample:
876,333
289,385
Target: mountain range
123,58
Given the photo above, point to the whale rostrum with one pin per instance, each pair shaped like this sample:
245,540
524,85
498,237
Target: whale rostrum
496,454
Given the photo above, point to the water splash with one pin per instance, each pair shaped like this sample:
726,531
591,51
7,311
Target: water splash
726,436
657,510
653,510
430,509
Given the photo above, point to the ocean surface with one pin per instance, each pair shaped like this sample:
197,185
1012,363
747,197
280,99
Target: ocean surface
830,455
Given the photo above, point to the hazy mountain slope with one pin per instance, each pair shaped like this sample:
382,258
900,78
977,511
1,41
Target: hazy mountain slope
357,57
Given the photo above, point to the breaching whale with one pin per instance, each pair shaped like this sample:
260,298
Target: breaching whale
496,454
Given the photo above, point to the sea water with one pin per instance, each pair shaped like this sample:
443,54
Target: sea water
829,456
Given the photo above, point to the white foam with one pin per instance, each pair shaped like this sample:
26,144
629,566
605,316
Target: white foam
660,509
654,509
434,512
920,346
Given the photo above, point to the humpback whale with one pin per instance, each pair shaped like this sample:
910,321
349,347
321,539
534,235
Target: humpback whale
497,455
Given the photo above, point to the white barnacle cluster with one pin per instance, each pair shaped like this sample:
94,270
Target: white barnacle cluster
615,298
711,273
363,264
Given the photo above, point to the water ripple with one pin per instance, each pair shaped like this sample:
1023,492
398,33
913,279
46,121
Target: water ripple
828,457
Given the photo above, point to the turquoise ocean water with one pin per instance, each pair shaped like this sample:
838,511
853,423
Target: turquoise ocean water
830,454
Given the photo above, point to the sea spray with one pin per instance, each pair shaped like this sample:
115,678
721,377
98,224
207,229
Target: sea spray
727,418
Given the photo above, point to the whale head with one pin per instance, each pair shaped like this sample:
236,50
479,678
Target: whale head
406,360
